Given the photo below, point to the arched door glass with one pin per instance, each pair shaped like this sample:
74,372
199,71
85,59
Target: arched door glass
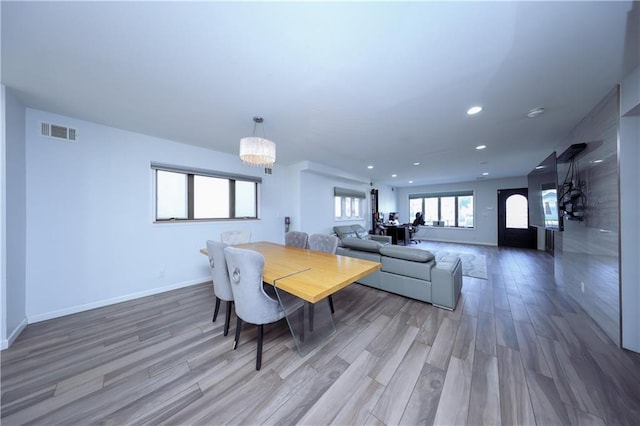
517,212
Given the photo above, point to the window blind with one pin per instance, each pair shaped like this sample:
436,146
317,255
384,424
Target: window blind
442,194
345,192
204,172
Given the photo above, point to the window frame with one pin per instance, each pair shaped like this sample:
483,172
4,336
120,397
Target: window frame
191,173
356,203
439,196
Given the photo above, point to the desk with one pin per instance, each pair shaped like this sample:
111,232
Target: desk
311,276
398,233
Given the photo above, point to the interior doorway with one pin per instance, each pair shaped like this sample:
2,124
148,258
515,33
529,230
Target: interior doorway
513,219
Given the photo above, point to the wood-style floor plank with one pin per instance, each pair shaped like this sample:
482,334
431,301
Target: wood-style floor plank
516,350
570,386
515,402
486,333
484,403
325,408
453,408
395,397
530,351
443,344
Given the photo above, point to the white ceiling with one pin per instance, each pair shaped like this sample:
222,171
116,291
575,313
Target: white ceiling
343,84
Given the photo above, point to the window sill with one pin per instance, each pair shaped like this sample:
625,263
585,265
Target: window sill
447,227
177,221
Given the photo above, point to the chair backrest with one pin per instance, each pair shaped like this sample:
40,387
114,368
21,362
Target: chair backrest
219,271
419,220
296,239
324,243
252,304
235,237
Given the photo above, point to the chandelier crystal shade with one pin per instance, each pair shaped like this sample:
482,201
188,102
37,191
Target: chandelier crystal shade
257,151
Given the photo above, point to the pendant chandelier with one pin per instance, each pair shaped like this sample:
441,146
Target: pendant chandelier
257,151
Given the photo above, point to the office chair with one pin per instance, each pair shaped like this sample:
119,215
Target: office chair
417,222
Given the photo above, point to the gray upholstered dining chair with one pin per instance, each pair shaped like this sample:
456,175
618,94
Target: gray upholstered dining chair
327,244
296,239
235,237
252,304
221,283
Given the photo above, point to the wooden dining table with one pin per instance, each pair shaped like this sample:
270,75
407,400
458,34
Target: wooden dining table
307,274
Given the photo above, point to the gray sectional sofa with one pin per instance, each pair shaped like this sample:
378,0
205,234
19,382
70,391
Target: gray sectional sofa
406,271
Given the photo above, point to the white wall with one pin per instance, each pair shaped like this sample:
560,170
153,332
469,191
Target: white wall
316,183
486,215
387,199
15,217
91,239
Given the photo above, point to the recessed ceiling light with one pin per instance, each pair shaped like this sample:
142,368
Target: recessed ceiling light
481,147
597,161
540,167
410,181
394,175
535,112
474,110
416,164
485,174
369,167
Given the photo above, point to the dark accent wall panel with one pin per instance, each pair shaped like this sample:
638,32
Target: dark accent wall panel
587,252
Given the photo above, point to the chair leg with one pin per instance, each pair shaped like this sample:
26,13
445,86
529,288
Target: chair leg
238,328
330,299
227,318
259,354
215,311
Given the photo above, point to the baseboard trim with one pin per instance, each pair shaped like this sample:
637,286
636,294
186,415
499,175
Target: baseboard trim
5,343
101,303
474,243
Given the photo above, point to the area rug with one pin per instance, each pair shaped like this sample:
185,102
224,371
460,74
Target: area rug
473,265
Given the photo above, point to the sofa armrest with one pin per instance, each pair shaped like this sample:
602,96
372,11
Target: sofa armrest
446,282
384,239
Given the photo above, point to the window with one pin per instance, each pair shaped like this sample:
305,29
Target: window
194,194
452,209
347,203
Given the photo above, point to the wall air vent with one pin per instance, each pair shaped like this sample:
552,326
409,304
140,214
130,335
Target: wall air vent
58,132
268,170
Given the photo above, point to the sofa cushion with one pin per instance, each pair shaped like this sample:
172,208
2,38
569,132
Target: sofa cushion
364,245
366,255
360,232
407,253
345,232
418,270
